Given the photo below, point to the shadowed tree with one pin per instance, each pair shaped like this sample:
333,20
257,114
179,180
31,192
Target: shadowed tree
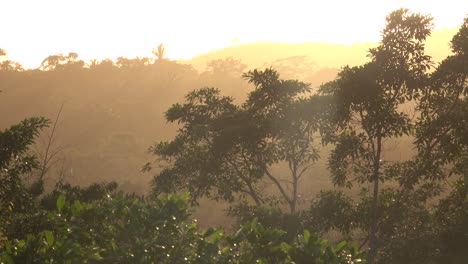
8,65
15,163
60,62
443,128
134,63
225,150
368,103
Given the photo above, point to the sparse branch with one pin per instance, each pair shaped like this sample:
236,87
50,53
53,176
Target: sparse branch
278,185
303,170
48,155
251,191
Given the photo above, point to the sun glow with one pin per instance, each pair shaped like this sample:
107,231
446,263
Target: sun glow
32,30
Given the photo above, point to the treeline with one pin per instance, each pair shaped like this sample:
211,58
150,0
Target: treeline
112,110
255,153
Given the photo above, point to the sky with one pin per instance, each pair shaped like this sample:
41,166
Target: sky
31,30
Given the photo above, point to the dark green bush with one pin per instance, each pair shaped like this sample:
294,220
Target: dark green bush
123,229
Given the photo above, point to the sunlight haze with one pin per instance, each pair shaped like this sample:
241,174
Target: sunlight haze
222,131
32,30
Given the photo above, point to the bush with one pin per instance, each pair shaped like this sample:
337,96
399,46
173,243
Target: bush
123,229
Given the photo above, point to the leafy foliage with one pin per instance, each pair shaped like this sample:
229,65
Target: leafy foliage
125,229
269,216
311,249
332,210
15,162
223,150
442,127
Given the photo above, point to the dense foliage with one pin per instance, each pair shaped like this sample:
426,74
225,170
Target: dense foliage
224,150
122,229
97,225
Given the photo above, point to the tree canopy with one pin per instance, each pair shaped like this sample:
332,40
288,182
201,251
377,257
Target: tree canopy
224,150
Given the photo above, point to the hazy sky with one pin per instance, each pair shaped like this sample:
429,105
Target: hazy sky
30,30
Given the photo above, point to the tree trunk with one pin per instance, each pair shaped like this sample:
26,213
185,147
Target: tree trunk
278,185
253,194
294,194
373,243
465,176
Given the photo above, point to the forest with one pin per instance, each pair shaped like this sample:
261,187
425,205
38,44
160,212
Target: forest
291,160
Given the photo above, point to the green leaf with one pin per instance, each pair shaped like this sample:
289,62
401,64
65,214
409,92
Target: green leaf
49,237
340,246
60,202
113,245
6,258
76,207
306,235
285,247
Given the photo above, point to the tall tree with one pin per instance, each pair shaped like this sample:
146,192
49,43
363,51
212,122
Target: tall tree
443,127
369,100
225,150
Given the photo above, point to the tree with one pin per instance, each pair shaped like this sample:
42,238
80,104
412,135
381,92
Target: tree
369,101
287,124
134,63
442,127
226,74
159,52
226,67
15,162
225,150
8,65
295,67
60,61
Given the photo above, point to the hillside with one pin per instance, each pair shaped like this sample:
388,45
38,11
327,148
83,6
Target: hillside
326,55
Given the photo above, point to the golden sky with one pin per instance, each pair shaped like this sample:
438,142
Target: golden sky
30,30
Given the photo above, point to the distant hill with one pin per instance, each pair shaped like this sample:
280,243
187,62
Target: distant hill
325,55
258,53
